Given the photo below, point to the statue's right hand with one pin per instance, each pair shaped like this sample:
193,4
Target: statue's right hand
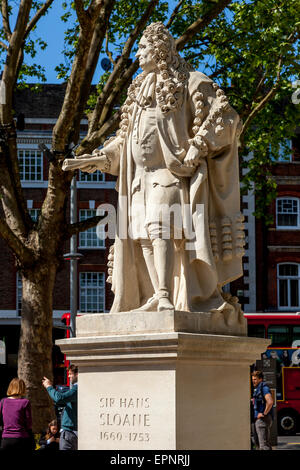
90,169
87,163
73,164
192,157
98,153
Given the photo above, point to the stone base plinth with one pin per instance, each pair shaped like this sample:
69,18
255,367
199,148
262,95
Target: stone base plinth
168,389
227,323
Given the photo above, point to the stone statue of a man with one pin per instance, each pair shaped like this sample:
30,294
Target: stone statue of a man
176,148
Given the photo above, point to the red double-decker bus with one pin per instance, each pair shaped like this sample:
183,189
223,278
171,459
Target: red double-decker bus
283,330
66,320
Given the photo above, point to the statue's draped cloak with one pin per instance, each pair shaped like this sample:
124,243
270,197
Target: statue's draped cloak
214,256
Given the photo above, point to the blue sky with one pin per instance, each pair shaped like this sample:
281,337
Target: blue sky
51,29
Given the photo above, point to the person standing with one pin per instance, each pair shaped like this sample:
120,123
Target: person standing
16,417
263,411
68,436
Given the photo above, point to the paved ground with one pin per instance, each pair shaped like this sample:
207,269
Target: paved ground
288,442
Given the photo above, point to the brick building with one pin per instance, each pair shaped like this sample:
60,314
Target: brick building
272,258
37,112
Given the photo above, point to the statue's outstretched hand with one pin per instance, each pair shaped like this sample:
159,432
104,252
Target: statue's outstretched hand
192,157
90,168
69,164
65,165
85,162
85,155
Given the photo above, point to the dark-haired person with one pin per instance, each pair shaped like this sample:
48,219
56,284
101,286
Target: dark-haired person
50,440
16,418
263,411
68,436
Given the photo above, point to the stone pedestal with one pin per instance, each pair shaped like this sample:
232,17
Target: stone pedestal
156,383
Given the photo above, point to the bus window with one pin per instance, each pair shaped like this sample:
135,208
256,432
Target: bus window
296,335
256,331
279,334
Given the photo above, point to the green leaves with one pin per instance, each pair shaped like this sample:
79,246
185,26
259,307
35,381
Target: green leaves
32,42
251,49
31,71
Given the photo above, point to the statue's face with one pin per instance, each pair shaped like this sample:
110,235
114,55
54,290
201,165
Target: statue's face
145,57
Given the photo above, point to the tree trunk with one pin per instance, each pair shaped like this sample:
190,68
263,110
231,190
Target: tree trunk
35,347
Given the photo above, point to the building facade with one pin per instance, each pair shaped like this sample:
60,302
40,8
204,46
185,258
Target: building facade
272,258
36,114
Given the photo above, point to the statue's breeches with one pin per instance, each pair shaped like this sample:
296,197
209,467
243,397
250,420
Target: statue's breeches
156,205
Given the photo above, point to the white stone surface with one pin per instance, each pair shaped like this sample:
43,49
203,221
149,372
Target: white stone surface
165,390
180,234
154,322
168,368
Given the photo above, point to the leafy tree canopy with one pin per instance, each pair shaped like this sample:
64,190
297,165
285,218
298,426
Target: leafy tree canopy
251,49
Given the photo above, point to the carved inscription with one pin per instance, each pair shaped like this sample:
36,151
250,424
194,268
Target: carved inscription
124,418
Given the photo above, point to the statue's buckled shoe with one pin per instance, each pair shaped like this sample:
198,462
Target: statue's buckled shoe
150,305
164,302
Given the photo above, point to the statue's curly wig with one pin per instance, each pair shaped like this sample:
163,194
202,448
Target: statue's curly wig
174,71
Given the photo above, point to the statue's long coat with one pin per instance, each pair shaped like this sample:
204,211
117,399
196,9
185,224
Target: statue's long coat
214,257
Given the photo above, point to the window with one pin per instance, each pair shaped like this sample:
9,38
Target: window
288,286
285,151
296,333
256,331
30,165
92,292
279,334
89,238
95,177
34,214
287,213
282,152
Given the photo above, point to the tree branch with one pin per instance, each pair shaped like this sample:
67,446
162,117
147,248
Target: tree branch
120,84
74,229
14,242
37,16
5,46
82,15
110,123
108,53
67,126
101,108
13,200
16,43
5,15
255,96
173,16
90,41
97,138
12,195
92,60
272,91
263,102
201,23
